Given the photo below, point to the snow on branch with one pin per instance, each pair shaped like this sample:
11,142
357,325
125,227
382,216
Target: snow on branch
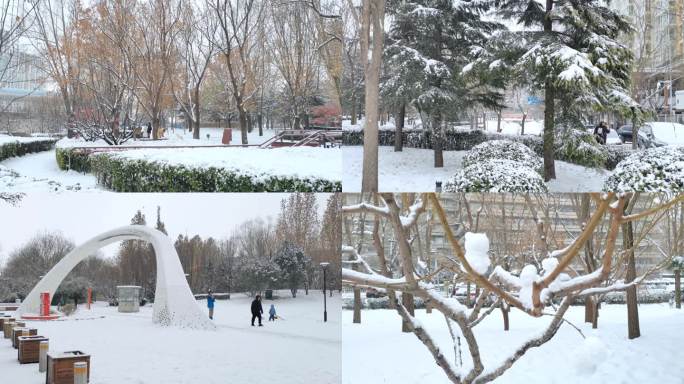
372,280
366,208
415,210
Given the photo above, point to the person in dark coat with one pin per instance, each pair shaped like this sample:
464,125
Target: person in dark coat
601,132
149,130
257,310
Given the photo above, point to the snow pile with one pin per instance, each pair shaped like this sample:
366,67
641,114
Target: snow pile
653,170
476,248
589,356
496,175
503,149
549,264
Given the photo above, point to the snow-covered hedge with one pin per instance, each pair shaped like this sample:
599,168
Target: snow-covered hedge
129,175
580,147
496,175
503,149
71,159
455,139
616,153
20,148
653,170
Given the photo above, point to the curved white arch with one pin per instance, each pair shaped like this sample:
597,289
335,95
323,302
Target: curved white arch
174,303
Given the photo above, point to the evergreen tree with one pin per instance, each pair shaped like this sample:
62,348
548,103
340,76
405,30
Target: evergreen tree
571,51
430,43
292,262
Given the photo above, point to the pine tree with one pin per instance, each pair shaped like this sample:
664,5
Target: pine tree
572,53
430,43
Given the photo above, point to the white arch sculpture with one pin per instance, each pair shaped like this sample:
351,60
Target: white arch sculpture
174,304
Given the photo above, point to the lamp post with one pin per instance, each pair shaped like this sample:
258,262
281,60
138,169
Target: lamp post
325,302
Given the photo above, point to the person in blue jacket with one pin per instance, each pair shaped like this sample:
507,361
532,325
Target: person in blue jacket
210,304
272,313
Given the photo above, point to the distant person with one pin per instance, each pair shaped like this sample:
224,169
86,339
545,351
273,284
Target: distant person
601,132
257,310
210,304
272,313
149,130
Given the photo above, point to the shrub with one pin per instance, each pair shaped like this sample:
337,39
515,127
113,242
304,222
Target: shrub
653,170
616,153
69,158
580,147
503,149
16,148
496,175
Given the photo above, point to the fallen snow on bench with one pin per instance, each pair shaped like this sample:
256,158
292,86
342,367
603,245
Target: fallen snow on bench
300,162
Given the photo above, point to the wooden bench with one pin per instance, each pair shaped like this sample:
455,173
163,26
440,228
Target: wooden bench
18,331
60,366
29,349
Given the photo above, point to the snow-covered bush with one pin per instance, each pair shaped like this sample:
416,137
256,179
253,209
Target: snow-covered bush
652,170
580,147
292,262
503,149
17,148
127,175
616,153
496,175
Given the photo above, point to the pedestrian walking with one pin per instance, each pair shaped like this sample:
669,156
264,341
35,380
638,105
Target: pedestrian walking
257,310
210,304
272,313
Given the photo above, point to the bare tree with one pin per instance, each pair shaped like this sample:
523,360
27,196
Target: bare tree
531,292
237,41
196,45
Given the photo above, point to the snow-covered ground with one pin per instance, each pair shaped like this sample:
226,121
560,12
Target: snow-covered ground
514,127
376,351
180,137
38,172
302,162
129,348
412,170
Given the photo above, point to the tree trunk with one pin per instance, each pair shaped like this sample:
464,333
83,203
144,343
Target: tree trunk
589,310
498,121
398,133
438,140
522,129
504,312
155,126
467,300
632,308
357,305
407,302
260,121
678,289
372,25
242,117
595,314
635,132
196,117
353,108
549,107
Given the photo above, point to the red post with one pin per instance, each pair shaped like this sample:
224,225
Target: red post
90,297
227,136
45,304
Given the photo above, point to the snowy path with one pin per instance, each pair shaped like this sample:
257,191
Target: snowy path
129,348
38,172
376,351
412,170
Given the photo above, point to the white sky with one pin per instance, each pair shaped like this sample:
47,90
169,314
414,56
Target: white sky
81,216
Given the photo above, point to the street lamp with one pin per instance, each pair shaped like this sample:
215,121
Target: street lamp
325,302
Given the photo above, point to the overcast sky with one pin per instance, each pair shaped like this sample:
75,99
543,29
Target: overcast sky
81,216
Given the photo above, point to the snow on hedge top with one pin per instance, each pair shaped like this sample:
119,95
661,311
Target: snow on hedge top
299,162
476,248
653,170
496,175
4,139
503,149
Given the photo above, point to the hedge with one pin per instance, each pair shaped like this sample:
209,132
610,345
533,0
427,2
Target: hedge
16,148
496,175
127,175
454,139
653,170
